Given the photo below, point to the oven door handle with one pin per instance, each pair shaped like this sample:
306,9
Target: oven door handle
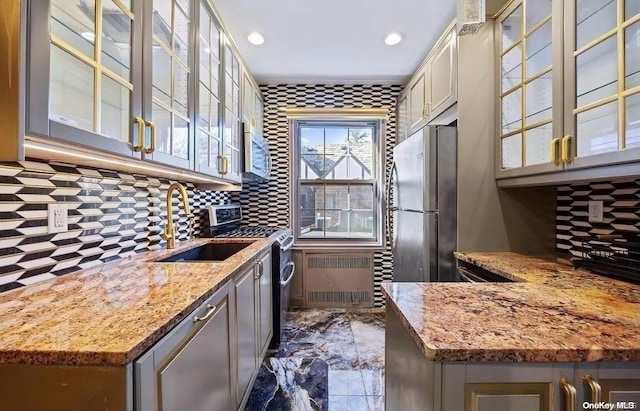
470,277
293,270
287,246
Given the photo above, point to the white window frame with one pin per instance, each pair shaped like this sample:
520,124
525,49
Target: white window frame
346,117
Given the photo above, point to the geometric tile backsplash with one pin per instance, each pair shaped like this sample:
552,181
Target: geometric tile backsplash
621,205
270,203
111,215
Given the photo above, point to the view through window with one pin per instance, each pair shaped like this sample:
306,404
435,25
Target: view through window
337,184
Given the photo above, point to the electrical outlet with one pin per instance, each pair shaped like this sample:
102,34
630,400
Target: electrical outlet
595,212
58,218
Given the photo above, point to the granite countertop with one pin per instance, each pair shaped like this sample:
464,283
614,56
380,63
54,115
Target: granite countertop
110,314
552,313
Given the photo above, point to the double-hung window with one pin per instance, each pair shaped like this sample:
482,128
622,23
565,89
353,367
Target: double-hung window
336,181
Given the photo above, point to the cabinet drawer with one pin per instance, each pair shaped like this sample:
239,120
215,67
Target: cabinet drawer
189,368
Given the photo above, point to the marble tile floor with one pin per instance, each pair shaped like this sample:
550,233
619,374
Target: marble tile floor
328,360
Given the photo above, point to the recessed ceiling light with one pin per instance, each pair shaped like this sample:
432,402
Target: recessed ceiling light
88,35
392,39
255,38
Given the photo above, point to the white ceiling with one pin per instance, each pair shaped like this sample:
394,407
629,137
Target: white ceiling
335,41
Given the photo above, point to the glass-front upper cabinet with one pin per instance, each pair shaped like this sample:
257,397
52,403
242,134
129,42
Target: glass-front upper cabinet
602,78
170,110
231,167
84,80
208,135
530,108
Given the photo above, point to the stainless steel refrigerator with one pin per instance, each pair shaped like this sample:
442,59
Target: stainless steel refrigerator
423,180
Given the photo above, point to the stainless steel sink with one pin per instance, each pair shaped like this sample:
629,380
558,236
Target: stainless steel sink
212,252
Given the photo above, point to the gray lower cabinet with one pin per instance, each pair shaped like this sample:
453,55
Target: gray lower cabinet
190,368
265,303
245,289
415,383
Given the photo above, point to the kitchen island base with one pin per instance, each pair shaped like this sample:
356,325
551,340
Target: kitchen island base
413,382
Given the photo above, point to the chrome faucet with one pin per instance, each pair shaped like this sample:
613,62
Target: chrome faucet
171,230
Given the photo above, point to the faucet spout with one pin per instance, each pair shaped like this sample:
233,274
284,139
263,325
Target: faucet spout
170,231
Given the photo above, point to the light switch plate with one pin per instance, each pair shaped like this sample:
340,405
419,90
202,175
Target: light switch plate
596,212
58,218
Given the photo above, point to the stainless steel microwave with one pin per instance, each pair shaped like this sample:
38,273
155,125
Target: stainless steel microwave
257,159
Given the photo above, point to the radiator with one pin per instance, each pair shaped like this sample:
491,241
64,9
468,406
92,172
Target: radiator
334,280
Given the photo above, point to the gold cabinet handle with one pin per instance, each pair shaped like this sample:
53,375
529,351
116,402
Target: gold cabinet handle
220,164
426,110
260,272
569,394
594,388
555,145
566,149
226,165
210,310
152,147
141,126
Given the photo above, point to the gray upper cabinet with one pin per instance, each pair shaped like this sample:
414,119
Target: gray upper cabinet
84,74
169,104
402,118
568,91
530,100
157,80
432,90
209,95
602,82
232,116
442,90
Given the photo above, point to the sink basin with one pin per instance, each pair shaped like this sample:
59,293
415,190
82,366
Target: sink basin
212,252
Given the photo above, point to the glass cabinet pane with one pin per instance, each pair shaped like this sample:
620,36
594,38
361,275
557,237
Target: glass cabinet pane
512,151
538,144
204,107
512,111
597,130
597,72
632,8
632,104
537,11
115,112
161,76
73,21
162,21
181,27
71,96
593,19
180,140
539,50
512,28
632,55
539,99
180,89
512,68
162,120
116,39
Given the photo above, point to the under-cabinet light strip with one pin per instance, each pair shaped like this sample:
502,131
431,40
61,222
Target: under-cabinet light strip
173,174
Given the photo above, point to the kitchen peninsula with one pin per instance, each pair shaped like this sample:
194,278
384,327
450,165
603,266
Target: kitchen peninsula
512,346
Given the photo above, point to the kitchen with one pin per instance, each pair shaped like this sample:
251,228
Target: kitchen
226,205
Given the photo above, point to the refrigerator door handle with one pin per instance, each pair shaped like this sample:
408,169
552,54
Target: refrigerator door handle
388,206
411,210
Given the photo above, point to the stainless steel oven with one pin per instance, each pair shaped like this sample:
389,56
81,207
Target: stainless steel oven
224,221
283,271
